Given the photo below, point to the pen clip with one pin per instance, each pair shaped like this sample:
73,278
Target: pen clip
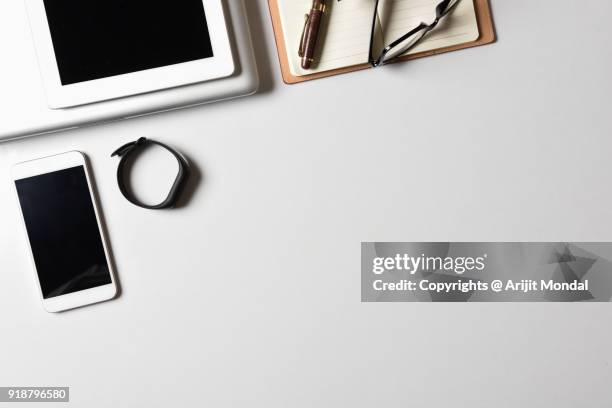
303,37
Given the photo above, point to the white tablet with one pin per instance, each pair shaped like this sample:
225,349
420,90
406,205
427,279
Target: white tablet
97,50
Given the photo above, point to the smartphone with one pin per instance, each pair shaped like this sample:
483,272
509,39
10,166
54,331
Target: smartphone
62,222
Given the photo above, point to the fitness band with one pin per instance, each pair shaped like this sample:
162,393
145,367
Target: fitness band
127,150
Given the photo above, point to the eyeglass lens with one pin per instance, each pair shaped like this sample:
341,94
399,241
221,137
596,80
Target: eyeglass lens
382,52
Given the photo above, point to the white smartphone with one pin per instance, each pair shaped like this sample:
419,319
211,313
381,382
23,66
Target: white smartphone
62,223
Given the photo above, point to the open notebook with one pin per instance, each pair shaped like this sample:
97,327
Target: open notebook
346,32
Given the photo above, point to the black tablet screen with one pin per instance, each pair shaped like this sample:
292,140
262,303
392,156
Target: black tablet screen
96,39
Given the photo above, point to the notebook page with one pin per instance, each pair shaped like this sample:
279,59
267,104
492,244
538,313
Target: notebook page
400,16
345,37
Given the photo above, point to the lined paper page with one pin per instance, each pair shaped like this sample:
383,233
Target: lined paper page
345,36
344,39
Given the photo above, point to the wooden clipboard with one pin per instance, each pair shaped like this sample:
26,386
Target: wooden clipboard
485,26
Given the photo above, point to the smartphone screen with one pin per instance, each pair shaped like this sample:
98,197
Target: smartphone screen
63,231
95,39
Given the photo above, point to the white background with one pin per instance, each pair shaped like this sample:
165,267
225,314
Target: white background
249,295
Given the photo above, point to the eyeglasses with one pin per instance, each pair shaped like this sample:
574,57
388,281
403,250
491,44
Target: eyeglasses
407,41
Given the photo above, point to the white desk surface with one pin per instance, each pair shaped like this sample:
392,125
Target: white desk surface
250,294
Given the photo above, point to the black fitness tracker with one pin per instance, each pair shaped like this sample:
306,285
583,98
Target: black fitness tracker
127,150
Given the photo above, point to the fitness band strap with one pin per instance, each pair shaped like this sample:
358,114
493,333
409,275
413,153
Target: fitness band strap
126,151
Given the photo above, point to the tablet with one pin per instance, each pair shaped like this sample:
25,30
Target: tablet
96,50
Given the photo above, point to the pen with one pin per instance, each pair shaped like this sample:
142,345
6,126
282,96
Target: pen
310,35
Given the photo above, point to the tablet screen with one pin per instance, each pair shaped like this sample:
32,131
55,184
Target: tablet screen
97,39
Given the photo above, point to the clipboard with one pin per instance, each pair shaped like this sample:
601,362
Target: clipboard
485,27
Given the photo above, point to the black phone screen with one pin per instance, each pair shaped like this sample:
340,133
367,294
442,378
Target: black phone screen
63,232
96,39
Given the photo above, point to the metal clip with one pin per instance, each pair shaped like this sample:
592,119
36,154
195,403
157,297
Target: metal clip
301,50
